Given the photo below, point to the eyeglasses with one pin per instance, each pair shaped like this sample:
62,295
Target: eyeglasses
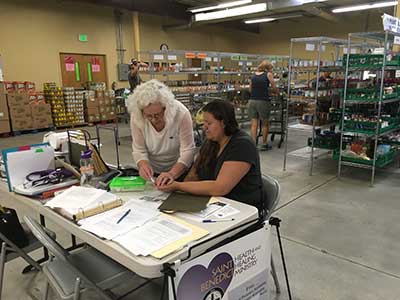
154,116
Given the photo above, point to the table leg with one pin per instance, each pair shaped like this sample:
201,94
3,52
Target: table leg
74,245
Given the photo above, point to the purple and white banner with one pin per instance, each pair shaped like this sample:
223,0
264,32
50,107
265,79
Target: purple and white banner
236,271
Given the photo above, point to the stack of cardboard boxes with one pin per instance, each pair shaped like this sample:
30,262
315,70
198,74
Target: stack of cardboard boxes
23,107
100,105
4,116
41,112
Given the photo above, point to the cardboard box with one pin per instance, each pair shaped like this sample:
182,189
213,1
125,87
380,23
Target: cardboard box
93,118
107,100
29,86
6,87
21,124
40,109
3,107
23,112
41,122
99,94
15,99
93,111
92,102
107,116
5,126
19,87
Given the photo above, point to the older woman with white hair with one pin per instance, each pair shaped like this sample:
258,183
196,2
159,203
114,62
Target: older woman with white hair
162,132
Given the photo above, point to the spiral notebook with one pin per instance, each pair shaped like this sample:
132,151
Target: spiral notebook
78,202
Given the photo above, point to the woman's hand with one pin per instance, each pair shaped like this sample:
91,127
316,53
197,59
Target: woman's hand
163,179
172,186
145,170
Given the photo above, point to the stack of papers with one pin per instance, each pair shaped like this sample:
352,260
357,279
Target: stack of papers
79,202
160,237
106,225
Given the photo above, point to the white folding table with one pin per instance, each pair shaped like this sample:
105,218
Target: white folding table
147,267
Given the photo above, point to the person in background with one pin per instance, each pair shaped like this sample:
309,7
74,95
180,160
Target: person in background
228,163
259,106
133,76
162,132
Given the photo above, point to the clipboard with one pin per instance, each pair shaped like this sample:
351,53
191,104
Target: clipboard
23,160
182,202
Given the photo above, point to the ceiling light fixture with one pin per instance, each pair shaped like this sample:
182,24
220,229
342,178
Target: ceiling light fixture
364,6
259,20
220,6
272,18
227,13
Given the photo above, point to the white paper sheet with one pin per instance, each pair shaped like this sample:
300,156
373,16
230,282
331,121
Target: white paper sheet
152,236
105,224
224,212
76,197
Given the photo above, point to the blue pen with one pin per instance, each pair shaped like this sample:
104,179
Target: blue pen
124,215
215,221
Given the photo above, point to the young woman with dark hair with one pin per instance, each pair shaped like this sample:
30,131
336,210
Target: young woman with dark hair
228,163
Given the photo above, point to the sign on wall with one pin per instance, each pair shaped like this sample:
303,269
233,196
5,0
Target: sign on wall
391,23
237,271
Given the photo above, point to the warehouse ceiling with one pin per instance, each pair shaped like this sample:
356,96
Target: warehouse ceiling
179,10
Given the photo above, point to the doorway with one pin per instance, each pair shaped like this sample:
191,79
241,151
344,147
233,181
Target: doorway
79,69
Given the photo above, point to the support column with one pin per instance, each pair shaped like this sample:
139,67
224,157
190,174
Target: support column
136,34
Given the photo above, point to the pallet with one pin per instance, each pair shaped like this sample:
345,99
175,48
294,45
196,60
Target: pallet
32,131
5,135
103,122
72,126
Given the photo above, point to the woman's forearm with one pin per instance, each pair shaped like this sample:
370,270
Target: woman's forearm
205,187
177,170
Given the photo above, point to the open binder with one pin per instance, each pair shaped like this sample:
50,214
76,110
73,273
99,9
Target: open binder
78,202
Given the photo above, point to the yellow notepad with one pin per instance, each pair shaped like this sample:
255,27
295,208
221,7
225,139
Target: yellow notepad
197,233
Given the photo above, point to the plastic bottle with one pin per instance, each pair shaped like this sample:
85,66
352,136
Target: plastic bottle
86,166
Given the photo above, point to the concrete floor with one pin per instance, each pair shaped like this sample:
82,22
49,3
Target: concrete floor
340,236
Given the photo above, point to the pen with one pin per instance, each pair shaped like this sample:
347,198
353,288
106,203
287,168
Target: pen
153,180
215,221
124,215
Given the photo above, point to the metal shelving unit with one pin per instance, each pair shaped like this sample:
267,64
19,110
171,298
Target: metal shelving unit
383,40
219,75
319,44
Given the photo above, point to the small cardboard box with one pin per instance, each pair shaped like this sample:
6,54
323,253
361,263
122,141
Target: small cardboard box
92,102
93,118
15,99
5,126
40,109
100,94
3,107
93,111
41,122
6,87
22,112
21,124
19,86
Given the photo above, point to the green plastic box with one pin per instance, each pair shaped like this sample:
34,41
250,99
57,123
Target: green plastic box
127,184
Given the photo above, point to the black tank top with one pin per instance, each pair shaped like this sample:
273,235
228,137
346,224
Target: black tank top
259,87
